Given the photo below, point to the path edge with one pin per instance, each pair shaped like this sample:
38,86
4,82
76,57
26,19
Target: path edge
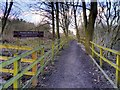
105,75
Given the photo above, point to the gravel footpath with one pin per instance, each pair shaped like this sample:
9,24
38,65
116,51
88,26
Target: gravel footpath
74,69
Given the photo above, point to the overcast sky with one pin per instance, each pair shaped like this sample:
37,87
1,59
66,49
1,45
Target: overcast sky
25,13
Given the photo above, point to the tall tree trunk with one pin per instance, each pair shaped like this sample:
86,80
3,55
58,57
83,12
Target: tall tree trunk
89,26
76,26
6,14
66,18
66,25
77,30
53,24
64,10
57,20
57,23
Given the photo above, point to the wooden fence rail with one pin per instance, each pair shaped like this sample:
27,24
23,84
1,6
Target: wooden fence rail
17,70
102,58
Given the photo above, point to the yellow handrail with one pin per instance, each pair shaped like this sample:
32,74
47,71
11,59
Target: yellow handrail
102,58
32,69
7,46
107,49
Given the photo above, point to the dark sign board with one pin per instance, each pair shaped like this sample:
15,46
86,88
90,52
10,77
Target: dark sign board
28,34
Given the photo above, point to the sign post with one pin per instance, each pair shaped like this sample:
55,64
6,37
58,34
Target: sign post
24,34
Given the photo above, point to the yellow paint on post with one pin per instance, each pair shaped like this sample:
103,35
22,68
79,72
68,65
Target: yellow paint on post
62,43
17,68
34,57
42,61
93,50
15,84
101,54
117,71
53,46
34,69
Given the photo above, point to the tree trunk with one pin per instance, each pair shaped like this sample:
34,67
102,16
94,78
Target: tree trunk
57,23
6,14
64,19
89,26
53,24
57,20
76,26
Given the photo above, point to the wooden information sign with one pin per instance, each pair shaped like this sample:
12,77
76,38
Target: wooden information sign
28,34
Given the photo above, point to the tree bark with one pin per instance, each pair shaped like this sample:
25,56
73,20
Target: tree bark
57,20
89,26
76,26
6,14
53,24
65,19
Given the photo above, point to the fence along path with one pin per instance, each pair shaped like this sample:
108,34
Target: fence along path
36,61
18,72
103,59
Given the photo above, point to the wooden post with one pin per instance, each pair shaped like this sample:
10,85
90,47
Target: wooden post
92,50
61,45
42,61
118,72
101,54
53,46
17,68
34,69
58,43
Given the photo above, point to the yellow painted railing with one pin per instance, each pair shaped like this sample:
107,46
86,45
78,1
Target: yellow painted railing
15,47
25,60
102,58
35,67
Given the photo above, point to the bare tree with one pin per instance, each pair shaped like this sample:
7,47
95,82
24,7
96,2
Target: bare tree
89,24
57,20
75,18
6,14
53,21
65,17
108,18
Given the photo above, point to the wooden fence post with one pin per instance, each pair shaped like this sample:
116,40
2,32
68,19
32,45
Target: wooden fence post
34,69
58,45
101,54
53,47
93,48
17,68
61,43
117,71
42,61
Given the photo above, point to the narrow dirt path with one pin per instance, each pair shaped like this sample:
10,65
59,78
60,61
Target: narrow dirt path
75,69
